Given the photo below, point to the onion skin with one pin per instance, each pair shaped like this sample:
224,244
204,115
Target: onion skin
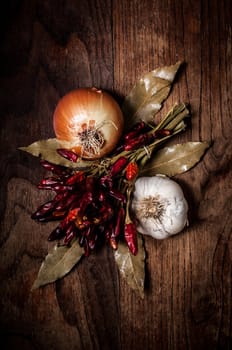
87,111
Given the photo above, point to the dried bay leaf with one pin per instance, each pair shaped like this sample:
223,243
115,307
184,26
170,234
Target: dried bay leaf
131,267
146,97
58,263
175,159
46,149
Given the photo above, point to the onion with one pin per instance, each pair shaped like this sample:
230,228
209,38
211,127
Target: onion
90,120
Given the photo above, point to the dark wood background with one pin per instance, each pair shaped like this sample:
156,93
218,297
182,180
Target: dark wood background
51,47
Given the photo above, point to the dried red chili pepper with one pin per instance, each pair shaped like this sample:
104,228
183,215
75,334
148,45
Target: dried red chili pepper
60,196
81,240
108,230
47,165
69,237
92,238
118,166
43,210
75,203
57,233
50,217
90,184
72,215
86,247
85,200
135,130
130,234
106,181
58,214
56,169
87,231
114,229
48,183
64,224
61,188
137,142
70,155
70,233
161,133
65,202
75,178
119,221
105,213
117,195
132,170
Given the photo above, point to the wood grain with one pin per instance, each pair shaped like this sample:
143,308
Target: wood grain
47,50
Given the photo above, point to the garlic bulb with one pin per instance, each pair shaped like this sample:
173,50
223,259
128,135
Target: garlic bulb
159,206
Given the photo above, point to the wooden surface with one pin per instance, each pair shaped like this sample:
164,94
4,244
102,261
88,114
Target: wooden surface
51,47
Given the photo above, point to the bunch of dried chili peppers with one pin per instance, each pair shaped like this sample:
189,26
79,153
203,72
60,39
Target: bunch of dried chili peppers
93,206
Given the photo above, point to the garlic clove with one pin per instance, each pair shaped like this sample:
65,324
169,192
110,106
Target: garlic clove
159,206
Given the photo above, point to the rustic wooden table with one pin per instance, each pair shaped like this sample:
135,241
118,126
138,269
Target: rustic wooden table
51,47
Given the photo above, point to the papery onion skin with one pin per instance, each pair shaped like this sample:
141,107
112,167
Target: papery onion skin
166,213
91,120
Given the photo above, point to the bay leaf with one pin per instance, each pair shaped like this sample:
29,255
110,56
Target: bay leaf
46,149
175,159
58,263
146,97
132,267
